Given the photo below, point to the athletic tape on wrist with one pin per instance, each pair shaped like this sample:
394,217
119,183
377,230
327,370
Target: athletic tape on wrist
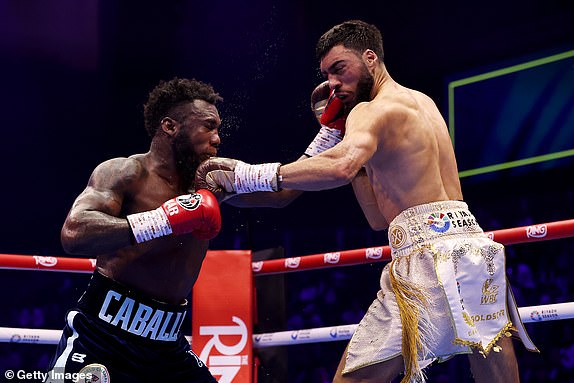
325,139
253,178
149,225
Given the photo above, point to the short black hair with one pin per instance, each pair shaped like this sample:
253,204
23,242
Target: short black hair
353,34
175,92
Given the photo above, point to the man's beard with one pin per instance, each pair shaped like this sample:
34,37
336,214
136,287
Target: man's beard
186,160
364,86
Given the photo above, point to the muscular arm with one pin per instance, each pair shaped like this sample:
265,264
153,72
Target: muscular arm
339,165
366,198
93,225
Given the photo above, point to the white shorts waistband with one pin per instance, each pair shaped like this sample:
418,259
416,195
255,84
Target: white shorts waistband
421,224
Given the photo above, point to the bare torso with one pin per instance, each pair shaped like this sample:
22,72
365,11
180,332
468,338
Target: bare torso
414,161
401,139
165,268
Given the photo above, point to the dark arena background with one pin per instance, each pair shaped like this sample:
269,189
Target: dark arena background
75,74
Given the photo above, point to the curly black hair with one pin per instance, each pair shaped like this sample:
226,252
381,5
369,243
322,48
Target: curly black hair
354,34
169,94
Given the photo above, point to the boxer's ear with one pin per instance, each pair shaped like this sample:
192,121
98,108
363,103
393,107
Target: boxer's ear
168,125
370,57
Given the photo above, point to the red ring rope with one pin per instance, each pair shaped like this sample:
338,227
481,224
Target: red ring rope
523,234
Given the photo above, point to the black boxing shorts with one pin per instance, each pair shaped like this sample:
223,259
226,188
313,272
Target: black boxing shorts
117,334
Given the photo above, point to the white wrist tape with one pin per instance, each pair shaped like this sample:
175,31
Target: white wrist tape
149,225
252,178
325,139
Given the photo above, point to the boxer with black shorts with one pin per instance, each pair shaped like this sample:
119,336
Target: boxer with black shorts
149,230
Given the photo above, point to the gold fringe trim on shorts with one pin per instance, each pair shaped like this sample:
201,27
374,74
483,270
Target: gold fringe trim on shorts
505,331
412,300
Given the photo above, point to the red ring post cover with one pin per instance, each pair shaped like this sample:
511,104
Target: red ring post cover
222,315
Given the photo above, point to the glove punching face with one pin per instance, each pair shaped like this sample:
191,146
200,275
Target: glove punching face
334,114
216,175
226,176
319,98
330,113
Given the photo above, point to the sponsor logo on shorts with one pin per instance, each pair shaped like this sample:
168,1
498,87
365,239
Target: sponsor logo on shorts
189,201
461,219
438,222
467,319
536,231
95,373
332,257
489,292
257,266
397,237
45,261
374,252
139,319
292,263
488,317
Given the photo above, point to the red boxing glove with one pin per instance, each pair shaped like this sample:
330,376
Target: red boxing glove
196,213
330,112
334,114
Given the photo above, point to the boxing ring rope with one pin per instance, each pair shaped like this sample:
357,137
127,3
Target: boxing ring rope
524,234
530,314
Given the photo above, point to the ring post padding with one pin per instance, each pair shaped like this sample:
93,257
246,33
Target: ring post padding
223,315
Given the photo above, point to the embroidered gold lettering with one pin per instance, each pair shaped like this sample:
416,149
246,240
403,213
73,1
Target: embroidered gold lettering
488,317
489,292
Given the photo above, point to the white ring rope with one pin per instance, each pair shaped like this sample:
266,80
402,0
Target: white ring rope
529,314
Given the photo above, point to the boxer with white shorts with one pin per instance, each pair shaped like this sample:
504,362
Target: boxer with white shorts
397,154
